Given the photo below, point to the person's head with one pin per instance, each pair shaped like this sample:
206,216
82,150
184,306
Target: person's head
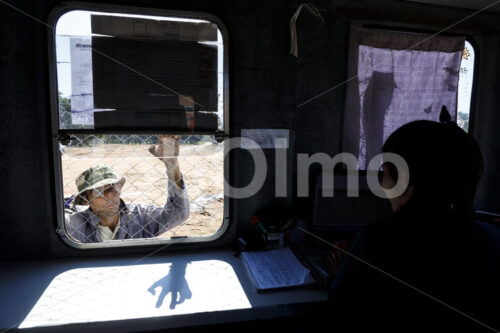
100,188
104,200
445,165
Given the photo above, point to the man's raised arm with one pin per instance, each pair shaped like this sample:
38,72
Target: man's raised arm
167,152
176,209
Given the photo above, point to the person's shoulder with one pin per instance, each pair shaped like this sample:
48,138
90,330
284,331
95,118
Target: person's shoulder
382,227
377,236
76,219
76,209
75,214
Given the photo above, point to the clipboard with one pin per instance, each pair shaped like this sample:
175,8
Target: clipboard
276,269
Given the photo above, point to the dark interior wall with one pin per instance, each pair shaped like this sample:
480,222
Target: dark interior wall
26,185
266,87
486,120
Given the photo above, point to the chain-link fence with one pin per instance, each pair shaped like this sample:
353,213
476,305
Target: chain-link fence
141,208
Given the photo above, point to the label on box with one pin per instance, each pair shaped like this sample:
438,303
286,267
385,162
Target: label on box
266,138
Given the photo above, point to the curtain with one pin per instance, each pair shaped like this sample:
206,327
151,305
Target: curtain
396,78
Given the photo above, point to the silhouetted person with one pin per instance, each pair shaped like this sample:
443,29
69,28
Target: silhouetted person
428,243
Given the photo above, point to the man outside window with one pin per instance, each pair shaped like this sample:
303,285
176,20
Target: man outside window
108,217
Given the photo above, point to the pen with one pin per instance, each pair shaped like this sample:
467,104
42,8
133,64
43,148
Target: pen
262,227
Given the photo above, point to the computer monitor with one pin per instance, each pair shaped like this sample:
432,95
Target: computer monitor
340,210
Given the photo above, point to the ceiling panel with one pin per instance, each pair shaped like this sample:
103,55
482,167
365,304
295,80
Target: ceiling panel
487,5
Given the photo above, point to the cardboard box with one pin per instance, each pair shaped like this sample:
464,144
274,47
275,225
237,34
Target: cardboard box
130,27
143,74
140,119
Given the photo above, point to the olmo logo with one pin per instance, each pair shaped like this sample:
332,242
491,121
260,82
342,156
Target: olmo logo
304,162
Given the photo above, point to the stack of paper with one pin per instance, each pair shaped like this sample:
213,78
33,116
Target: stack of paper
276,269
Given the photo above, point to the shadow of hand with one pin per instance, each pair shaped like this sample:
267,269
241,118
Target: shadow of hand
174,282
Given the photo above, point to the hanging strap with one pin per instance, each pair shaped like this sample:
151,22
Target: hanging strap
294,49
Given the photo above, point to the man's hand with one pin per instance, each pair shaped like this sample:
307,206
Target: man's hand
167,151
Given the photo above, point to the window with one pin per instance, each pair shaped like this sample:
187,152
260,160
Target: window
130,89
465,86
398,78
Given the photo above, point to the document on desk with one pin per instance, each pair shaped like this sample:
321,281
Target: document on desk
276,269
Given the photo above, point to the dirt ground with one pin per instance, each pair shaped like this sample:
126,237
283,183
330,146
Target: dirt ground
146,180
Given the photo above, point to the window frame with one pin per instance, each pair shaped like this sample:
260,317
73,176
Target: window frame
60,134
472,107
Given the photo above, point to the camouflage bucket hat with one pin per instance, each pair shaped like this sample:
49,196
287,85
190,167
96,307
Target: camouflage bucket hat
95,177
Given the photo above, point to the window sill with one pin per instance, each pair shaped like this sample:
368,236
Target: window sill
210,287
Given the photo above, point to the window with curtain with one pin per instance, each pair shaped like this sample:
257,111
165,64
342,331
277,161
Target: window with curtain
396,78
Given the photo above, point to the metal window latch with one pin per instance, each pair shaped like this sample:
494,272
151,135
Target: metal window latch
219,136
64,138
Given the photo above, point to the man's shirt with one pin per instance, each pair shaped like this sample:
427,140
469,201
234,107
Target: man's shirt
106,233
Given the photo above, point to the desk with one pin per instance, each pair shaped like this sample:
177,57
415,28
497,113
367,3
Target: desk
210,287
